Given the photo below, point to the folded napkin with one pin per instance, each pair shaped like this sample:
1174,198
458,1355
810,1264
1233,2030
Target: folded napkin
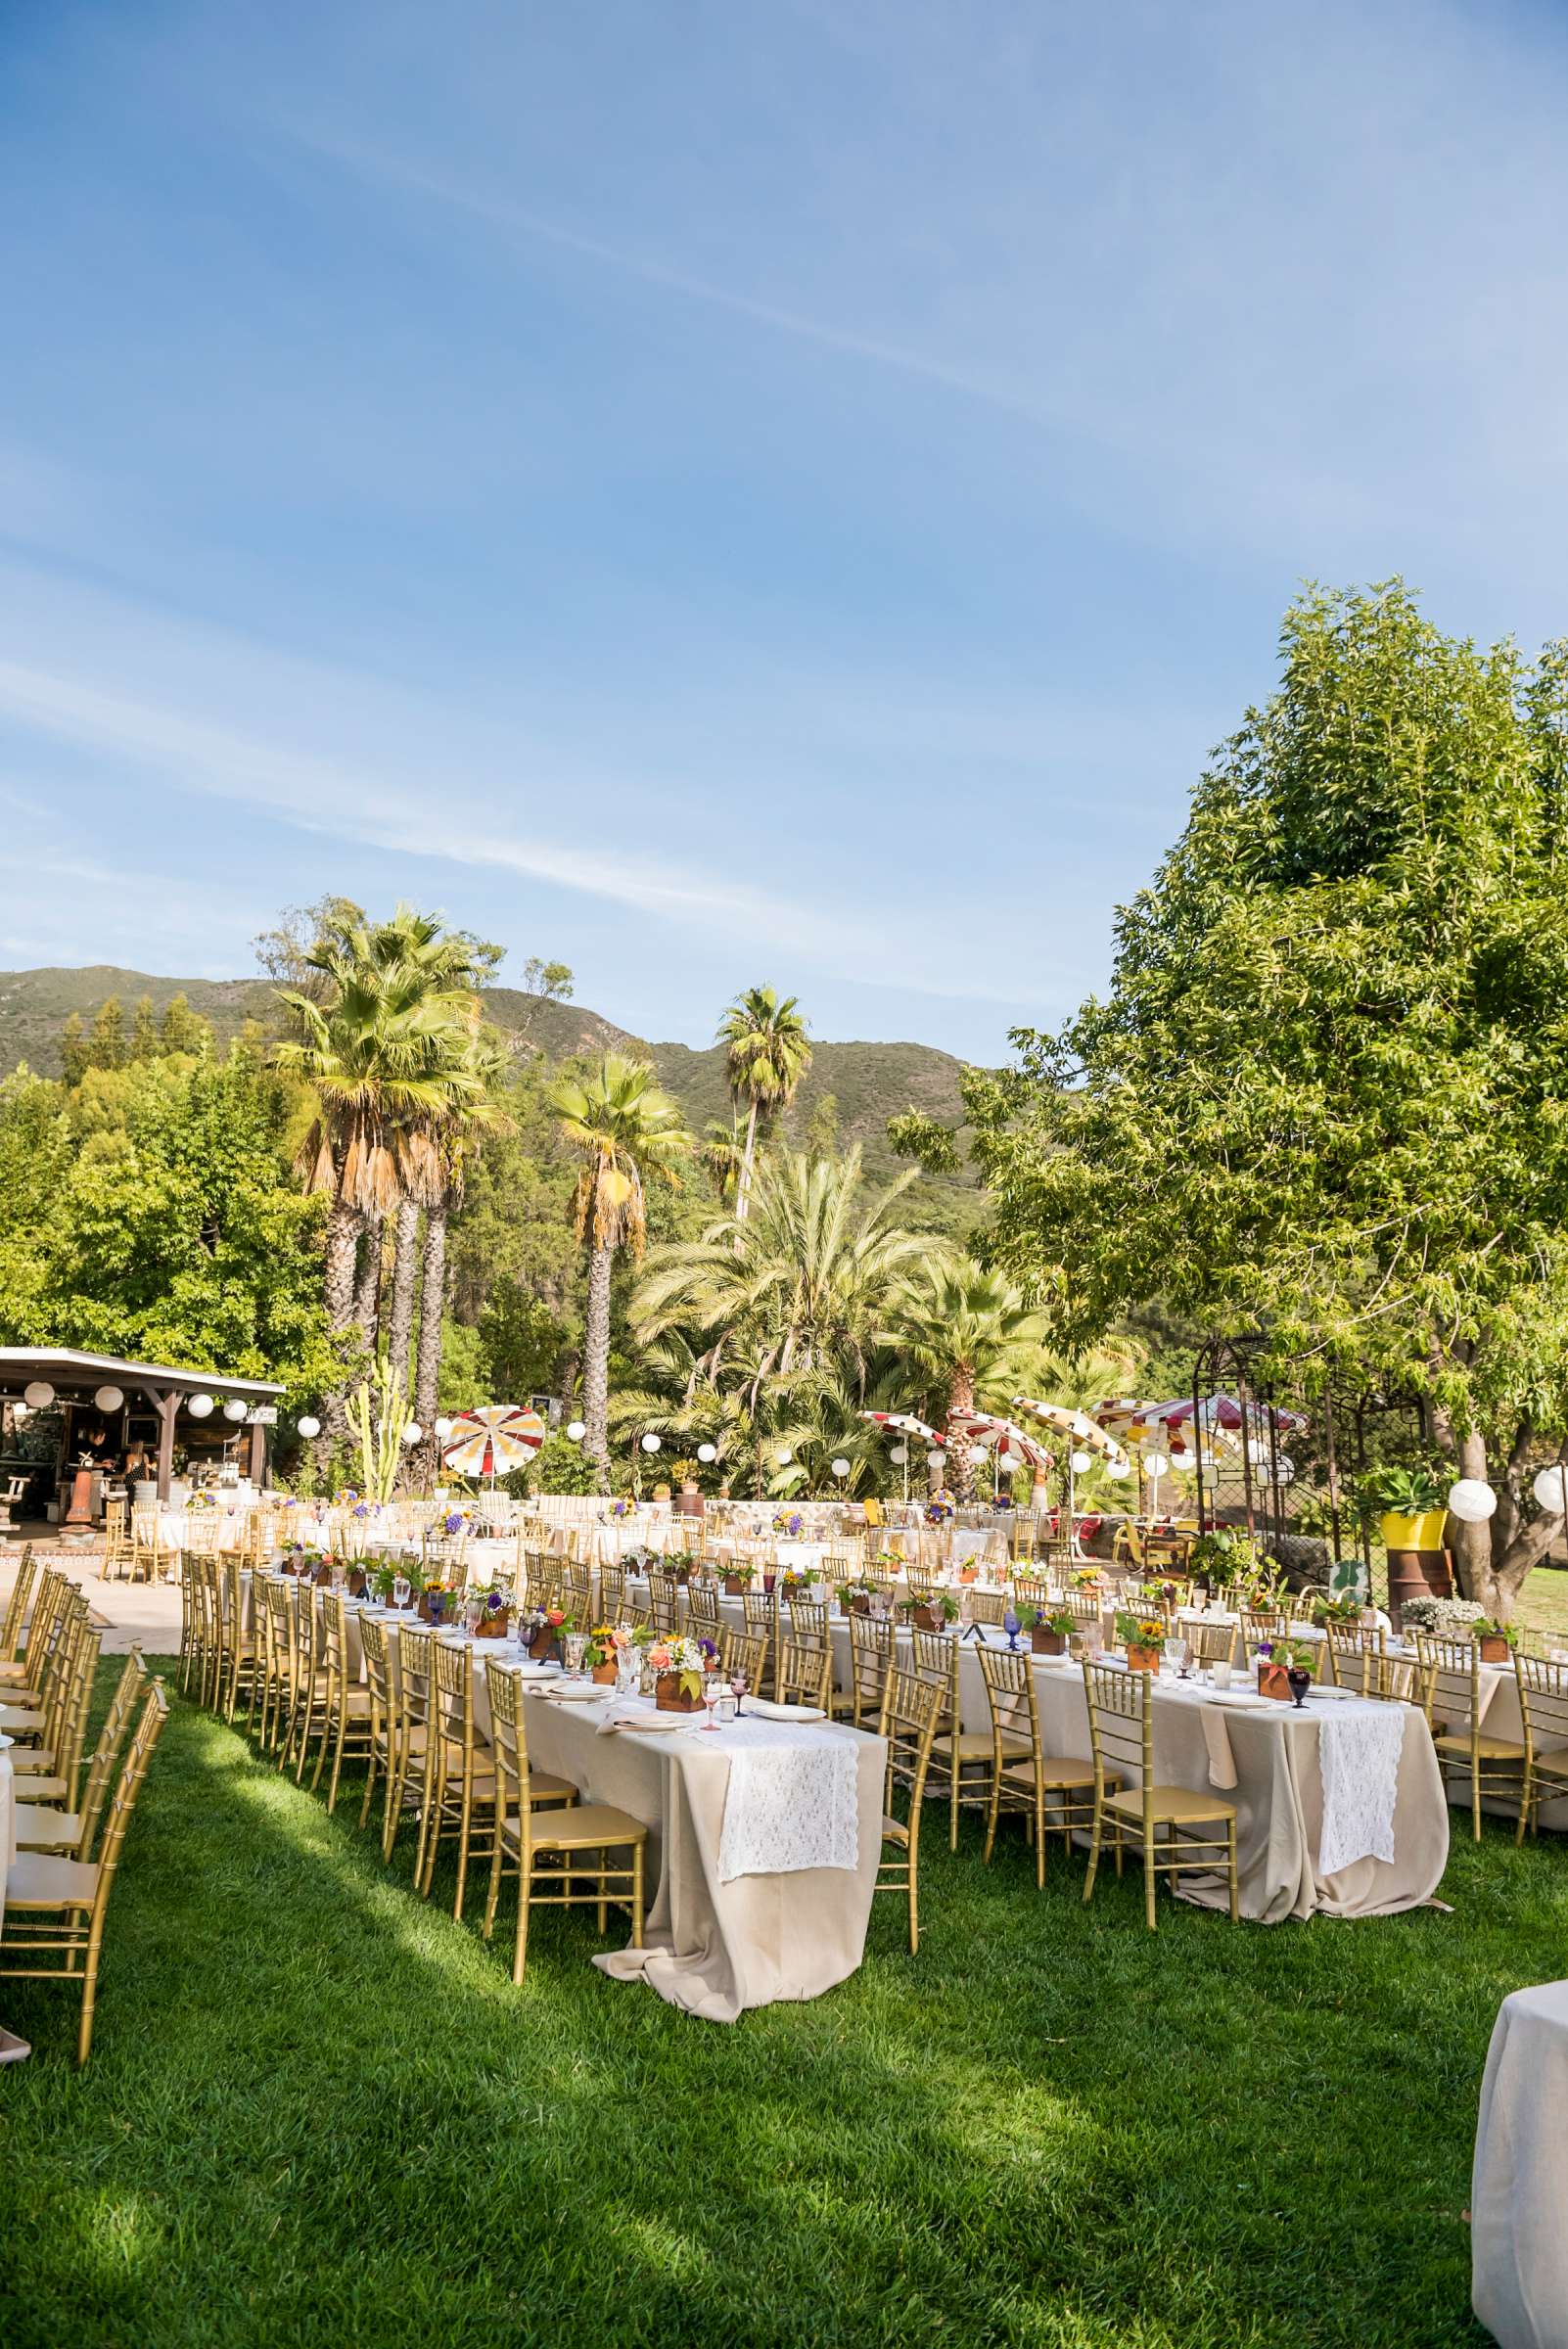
622,1716
578,1692
762,1708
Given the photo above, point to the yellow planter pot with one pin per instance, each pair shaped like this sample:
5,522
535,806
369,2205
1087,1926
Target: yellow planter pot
1421,1532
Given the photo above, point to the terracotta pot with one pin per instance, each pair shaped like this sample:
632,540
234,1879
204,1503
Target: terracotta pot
671,1697
1146,1659
493,1627
734,1587
926,1619
1273,1679
603,1675
1495,1649
969,1573
683,1576
1416,1574
1046,1643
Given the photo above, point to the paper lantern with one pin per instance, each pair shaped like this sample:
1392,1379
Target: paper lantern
201,1407
412,1431
109,1398
898,1454
38,1396
650,1443
308,1426
708,1454
1550,1489
1155,1463
443,1428
783,1456
841,1467
936,1458
1118,1469
576,1431
1082,1463
234,1410
1471,1500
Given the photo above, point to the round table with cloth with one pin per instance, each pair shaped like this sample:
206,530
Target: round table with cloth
1518,2243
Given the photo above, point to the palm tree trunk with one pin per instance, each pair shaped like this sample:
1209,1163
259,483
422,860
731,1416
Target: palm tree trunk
367,1290
960,1477
343,1237
596,1365
431,1308
405,1276
743,1189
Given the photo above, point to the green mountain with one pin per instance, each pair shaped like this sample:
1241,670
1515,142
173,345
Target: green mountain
868,1083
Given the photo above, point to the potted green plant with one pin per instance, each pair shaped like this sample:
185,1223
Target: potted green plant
1411,1505
1140,1636
1496,1641
739,1576
1278,1660
935,1611
1049,1634
854,1598
496,1616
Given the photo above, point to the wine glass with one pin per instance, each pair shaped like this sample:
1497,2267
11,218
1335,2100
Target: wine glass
1175,1656
1300,1680
403,1590
737,1682
712,1690
473,1609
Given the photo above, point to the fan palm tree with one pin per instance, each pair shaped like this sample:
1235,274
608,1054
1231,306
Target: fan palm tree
476,1109
969,1329
625,1129
806,1280
767,1052
723,1151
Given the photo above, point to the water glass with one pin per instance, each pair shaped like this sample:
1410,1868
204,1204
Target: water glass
712,1690
402,1589
1222,1675
574,1644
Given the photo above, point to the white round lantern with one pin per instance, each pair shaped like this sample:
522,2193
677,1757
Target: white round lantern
898,1454
443,1428
841,1467
109,1398
1082,1463
235,1410
1550,1489
38,1395
978,1455
412,1431
1118,1469
1155,1463
708,1454
650,1443
576,1431
308,1426
783,1456
936,1458
201,1407
1471,1500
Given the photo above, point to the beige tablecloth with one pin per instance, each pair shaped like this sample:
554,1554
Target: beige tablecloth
7,1822
1519,2189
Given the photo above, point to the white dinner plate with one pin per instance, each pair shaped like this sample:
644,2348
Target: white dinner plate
1239,1696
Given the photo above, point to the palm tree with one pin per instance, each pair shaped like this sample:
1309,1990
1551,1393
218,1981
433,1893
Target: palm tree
767,1053
385,1038
476,1110
969,1329
625,1129
806,1280
723,1151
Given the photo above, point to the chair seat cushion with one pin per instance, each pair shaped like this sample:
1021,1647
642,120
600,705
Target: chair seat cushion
583,1826
1057,1773
43,1789
1490,1749
973,1745
546,1787
40,1880
19,1693
1179,1803
41,1829
15,1719
32,1760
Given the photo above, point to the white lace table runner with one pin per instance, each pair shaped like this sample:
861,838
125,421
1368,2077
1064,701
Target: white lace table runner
792,1800
1359,1749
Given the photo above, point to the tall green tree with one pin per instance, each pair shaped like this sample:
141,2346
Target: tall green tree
626,1131
1327,1091
105,1039
973,1330
144,1030
767,1053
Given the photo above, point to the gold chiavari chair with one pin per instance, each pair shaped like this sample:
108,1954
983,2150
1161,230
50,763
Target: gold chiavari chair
1401,1680
1355,1653
744,1653
117,1558
185,1583
274,1609
1262,1623
1199,1828
237,1659
759,1612
55,1908
988,1606
209,1625
1543,1710
961,1760
149,1557
911,1708
612,1594
48,1736
663,1603
873,1645
1211,1643
43,1826
12,1666
413,1684
346,1726
702,1608
382,1751
1085,1606
1493,1766
465,1790
298,1645
576,1591
19,1674
1027,1786
311,1713
804,1674
584,1842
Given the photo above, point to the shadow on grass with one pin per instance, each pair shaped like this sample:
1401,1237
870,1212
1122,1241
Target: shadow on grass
318,2111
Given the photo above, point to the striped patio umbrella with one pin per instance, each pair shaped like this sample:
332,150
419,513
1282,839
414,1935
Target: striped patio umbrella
1219,1417
1012,1447
1077,1424
492,1439
904,1423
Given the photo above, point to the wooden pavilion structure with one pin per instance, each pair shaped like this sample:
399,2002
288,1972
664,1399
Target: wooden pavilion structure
78,1379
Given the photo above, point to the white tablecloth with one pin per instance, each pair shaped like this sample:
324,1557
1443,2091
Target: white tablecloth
1519,2188
7,1822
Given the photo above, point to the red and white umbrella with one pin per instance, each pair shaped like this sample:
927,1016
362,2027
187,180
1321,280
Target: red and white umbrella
985,1430
492,1439
1218,1415
904,1423
1070,1422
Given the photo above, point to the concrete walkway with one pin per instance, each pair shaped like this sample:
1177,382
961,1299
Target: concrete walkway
148,1612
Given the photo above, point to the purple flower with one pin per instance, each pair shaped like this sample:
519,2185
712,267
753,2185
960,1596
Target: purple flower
454,1522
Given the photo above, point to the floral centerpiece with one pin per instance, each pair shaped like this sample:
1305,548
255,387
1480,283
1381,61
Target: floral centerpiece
1140,1636
543,1629
606,1644
1457,1619
495,1615
1326,1610
450,1524
200,1499
934,1610
855,1599
384,1577
938,1511
790,1523
1087,1578
678,1666
739,1576
1285,1668
441,1602
1050,1631
345,1498
621,1509
682,1563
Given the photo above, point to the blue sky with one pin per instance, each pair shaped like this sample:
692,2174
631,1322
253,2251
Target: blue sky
732,492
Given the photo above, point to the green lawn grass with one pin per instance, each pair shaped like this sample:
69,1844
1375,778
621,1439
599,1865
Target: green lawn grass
317,2111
